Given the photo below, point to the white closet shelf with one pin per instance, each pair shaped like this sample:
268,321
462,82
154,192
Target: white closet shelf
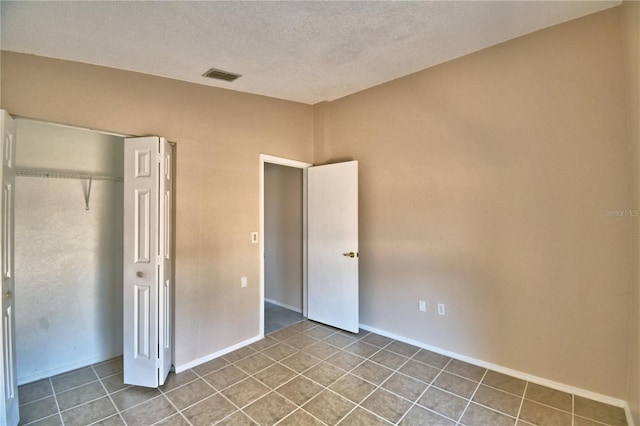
58,174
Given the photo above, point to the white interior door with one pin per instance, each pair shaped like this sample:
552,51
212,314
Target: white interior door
147,343
9,390
332,241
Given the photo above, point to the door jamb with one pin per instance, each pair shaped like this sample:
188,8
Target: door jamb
264,158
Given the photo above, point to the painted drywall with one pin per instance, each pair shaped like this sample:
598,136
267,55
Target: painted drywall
485,184
219,136
631,37
68,260
283,235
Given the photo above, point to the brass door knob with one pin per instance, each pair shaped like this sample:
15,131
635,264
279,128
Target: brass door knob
8,294
350,254
140,274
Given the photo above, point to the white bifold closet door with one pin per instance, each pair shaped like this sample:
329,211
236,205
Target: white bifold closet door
9,387
147,261
332,241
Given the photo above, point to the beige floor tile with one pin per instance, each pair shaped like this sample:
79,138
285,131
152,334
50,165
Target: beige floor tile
176,380
339,340
114,383
361,417
404,386
581,421
362,349
89,413
190,393
454,384
73,379
149,412
475,415
420,371
175,420
226,377
115,420
300,418
209,411
598,411
275,375
387,405
431,358
548,396
270,409
263,344
254,363
80,395
372,372
389,359
279,351
542,415
402,348
344,360
38,409
284,334
324,373
418,416
299,390
245,392
300,362
320,350
300,341
239,354
34,391
54,420
466,370
319,333
133,395
210,366
352,388
237,419
504,382
376,340
108,368
328,407
498,400
443,403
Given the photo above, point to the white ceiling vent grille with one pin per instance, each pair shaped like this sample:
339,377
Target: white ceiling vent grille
221,75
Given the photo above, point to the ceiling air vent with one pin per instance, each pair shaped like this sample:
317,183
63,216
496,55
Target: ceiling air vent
221,75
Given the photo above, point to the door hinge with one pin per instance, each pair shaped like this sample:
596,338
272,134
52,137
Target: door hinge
158,363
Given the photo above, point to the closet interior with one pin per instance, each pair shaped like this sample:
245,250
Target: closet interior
68,248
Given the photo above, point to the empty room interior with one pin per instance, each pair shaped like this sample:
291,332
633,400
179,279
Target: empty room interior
497,147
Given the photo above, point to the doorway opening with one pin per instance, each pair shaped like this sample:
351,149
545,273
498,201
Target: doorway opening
283,243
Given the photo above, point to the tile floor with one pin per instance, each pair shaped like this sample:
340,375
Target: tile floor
277,317
310,374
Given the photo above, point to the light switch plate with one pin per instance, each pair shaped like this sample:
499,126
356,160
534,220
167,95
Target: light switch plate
254,238
243,282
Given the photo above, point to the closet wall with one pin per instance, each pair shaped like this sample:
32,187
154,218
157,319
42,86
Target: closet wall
68,260
283,236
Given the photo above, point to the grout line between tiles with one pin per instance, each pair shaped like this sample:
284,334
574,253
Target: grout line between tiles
472,395
108,396
55,398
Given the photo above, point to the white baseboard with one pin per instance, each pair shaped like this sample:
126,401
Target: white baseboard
514,373
196,362
32,377
291,308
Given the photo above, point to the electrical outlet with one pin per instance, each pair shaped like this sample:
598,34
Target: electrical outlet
422,306
243,282
440,308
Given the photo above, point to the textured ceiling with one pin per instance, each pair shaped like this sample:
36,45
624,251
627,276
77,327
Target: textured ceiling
308,51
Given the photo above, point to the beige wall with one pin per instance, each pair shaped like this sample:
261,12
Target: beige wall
484,184
283,235
631,36
219,135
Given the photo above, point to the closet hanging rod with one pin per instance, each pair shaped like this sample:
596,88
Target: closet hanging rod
64,175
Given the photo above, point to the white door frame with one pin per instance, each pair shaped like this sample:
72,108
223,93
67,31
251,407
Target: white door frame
264,158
